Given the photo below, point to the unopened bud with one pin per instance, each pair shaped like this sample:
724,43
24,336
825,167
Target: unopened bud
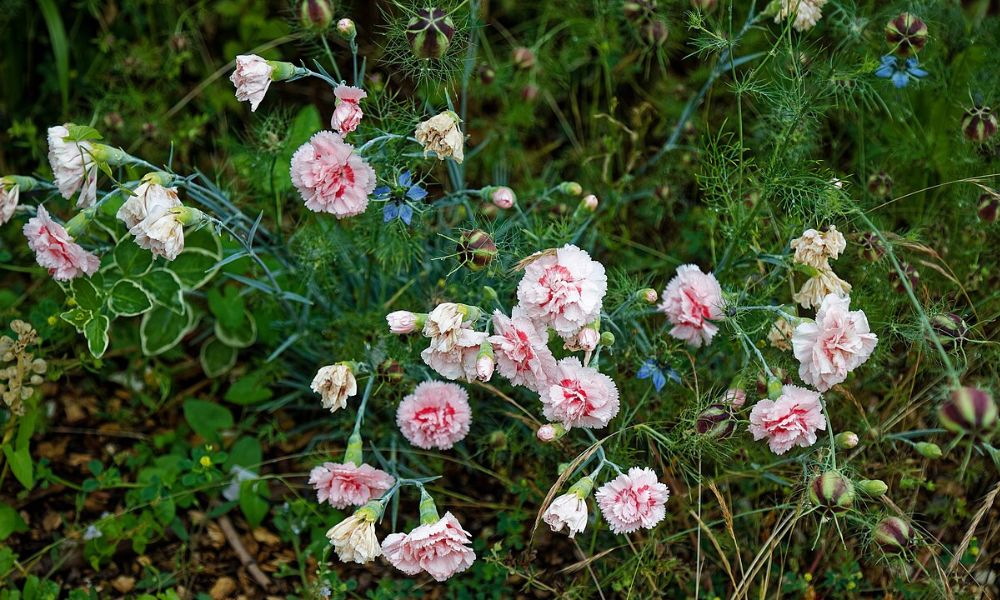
430,32
716,421
906,33
487,74
774,388
951,330
403,321
607,339
498,440
735,397
502,196
588,339
880,184
979,124
476,249
315,15
523,58
354,453
347,29
648,295
571,188
989,203
490,293
391,371
550,432
872,487
485,362
590,202
970,411
929,450
846,440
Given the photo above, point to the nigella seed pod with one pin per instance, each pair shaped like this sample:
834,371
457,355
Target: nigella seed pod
476,249
655,33
906,33
430,33
487,74
529,93
315,15
989,203
880,184
894,535
912,276
951,330
969,410
832,491
979,124
716,422
391,371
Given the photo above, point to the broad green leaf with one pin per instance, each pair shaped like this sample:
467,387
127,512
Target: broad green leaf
195,267
216,357
77,317
207,419
20,465
132,260
250,389
86,295
10,522
246,452
253,501
227,306
96,332
162,329
242,335
128,299
165,289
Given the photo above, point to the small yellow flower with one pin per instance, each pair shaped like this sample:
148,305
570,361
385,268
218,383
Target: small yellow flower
808,577
206,461
851,585
52,320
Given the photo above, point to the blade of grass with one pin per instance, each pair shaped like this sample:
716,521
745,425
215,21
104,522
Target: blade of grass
60,47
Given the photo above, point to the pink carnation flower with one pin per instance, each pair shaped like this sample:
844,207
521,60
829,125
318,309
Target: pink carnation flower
580,396
691,301
331,177
435,415
633,500
345,484
55,249
791,420
563,289
521,351
440,549
347,115
833,345
73,167
252,77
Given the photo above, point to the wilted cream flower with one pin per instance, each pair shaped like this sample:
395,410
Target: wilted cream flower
780,334
817,287
335,383
815,248
440,134
9,193
151,217
807,13
354,538
569,511
73,166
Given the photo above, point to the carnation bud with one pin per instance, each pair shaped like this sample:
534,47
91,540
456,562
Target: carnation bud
929,450
502,196
485,362
663,192
716,422
430,33
951,330
648,295
403,321
315,15
774,388
846,440
498,440
880,184
355,447
490,293
832,491
762,381
523,57
529,93
476,249
391,371
346,29
571,188
989,203
871,247
872,487
735,397
589,202
906,33
487,74
655,33
979,124
638,9
894,535
969,410
607,339
550,432
588,338
911,275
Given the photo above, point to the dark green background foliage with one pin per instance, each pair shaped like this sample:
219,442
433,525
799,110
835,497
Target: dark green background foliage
727,190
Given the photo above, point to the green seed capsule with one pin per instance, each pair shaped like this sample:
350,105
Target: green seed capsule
832,491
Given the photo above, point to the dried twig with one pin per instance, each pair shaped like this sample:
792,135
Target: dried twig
245,559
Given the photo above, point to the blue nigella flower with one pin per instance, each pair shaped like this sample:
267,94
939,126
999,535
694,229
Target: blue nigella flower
657,372
398,207
899,72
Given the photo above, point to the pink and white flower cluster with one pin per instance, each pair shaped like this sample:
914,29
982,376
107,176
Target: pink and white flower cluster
633,500
791,420
440,549
833,345
692,300
562,289
331,177
55,249
346,484
436,415
347,114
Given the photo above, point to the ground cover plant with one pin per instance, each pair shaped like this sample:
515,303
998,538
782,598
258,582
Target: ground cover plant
469,299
